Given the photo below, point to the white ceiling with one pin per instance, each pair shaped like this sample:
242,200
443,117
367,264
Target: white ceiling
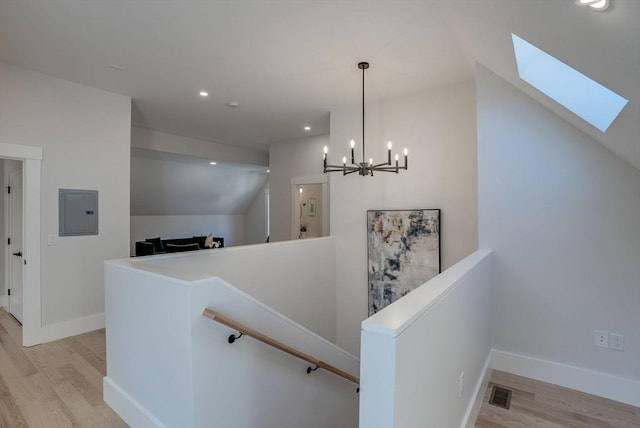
288,63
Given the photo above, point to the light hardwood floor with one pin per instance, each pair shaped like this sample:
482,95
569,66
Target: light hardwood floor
539,404
58,384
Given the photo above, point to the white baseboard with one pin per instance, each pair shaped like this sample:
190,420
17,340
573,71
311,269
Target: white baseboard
473,410
126,407
589,381
51,332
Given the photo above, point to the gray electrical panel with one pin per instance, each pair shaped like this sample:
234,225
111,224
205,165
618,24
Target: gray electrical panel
78,212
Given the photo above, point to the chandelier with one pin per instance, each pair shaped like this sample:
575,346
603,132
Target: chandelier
364,168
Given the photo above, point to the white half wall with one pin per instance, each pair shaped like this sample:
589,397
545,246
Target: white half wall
562,215
296,278
424,357
290,159
180,370
85,137
229,227
438,128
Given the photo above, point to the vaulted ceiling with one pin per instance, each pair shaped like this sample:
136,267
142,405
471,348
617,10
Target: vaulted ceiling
288,63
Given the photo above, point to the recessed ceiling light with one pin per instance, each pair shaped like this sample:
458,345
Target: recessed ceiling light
204,93
233,104
307,128
213,163
268,170
599,5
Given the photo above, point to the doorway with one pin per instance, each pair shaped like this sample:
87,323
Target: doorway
309,207
30,300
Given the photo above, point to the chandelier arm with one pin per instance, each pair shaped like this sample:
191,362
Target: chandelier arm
381,165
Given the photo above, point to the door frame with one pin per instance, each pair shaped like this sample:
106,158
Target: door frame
31,158
295,219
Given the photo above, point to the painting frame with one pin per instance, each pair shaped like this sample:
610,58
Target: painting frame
403,252
311,207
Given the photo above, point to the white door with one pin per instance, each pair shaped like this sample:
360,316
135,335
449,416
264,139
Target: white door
15,248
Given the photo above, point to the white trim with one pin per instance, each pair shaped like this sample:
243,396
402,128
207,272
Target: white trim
126,407
592,382
19,152
72,327
32,170
473,410
4,301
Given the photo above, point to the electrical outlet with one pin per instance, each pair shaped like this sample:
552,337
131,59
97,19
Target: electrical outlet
602,339
461,385
617,341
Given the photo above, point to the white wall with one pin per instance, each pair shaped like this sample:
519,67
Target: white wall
562,215
255,219
415,350
163,184
170,143
85,134
438,128
229,227
290,159
296,278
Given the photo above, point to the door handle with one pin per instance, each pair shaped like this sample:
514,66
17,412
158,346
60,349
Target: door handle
19,254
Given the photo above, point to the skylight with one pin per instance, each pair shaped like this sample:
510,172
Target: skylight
583,96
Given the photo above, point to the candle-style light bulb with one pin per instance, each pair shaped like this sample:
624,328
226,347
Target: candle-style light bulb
344,160
389,145
353,156
389,153
406,153
370,161
397,157
324,158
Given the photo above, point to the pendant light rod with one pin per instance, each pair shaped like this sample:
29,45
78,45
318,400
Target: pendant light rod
363,66
365,167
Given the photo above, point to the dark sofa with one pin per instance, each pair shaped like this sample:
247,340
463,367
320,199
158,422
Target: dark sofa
152,246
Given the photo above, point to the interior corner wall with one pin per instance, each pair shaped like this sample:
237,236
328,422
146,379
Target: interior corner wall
255,219
439,129
562,216
85,136
287,160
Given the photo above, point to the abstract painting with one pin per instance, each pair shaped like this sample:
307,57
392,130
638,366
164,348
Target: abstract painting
404,253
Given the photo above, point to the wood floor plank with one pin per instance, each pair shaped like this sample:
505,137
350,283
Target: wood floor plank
10,414
53,385
543,405
96,361
17,355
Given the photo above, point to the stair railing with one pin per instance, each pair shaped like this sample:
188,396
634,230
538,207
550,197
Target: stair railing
247,331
